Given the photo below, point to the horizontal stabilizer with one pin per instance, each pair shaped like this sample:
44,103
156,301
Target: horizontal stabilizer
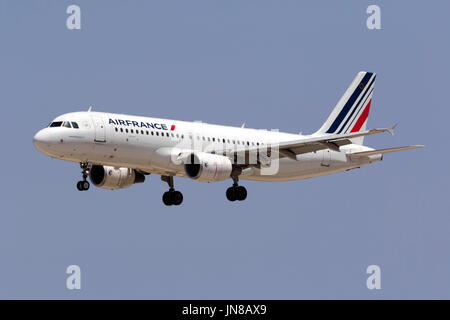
383,151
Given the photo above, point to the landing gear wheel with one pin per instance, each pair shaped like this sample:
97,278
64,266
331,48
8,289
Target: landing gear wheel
83,185
171,197
236,192
177,198
167,199
241,193
231,194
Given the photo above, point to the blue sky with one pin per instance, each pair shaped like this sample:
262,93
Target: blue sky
272,64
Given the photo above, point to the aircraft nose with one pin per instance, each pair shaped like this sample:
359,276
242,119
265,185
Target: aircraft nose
42,140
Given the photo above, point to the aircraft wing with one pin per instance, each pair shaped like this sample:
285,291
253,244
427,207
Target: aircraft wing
329,141
383,151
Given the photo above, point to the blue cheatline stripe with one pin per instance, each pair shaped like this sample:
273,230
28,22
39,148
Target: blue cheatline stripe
361,106
349,103
358,104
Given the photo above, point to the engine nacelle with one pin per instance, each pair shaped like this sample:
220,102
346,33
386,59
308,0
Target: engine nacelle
107,177
207,167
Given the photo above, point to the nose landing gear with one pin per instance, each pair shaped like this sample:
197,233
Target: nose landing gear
84,184
171,197
236,192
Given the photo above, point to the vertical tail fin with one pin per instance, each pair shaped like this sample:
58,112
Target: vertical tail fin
352,111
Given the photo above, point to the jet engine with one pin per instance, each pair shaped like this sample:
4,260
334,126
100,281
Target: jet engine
207,167
107,177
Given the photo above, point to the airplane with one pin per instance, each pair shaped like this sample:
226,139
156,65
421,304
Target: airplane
116,150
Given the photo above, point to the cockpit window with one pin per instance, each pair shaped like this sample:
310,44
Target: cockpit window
65,124
56,124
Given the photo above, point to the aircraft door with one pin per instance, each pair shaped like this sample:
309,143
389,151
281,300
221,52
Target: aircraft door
100,130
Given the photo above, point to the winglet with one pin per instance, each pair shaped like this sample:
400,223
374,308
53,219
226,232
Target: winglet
391,129
90,108
243,125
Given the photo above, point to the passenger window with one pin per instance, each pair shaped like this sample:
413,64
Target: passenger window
152,132
131,130
121,130
146,132
117,129
75,125
214,139
126,130
142,131
167,134
157,133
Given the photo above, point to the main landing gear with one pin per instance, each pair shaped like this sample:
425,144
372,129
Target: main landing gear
84,184
171,197
236,192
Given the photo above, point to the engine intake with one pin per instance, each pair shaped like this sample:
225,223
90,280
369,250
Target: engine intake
107,177
207,167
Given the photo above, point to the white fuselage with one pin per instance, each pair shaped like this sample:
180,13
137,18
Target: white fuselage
148,144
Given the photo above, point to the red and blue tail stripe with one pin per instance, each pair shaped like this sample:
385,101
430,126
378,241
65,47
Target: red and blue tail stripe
351,112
